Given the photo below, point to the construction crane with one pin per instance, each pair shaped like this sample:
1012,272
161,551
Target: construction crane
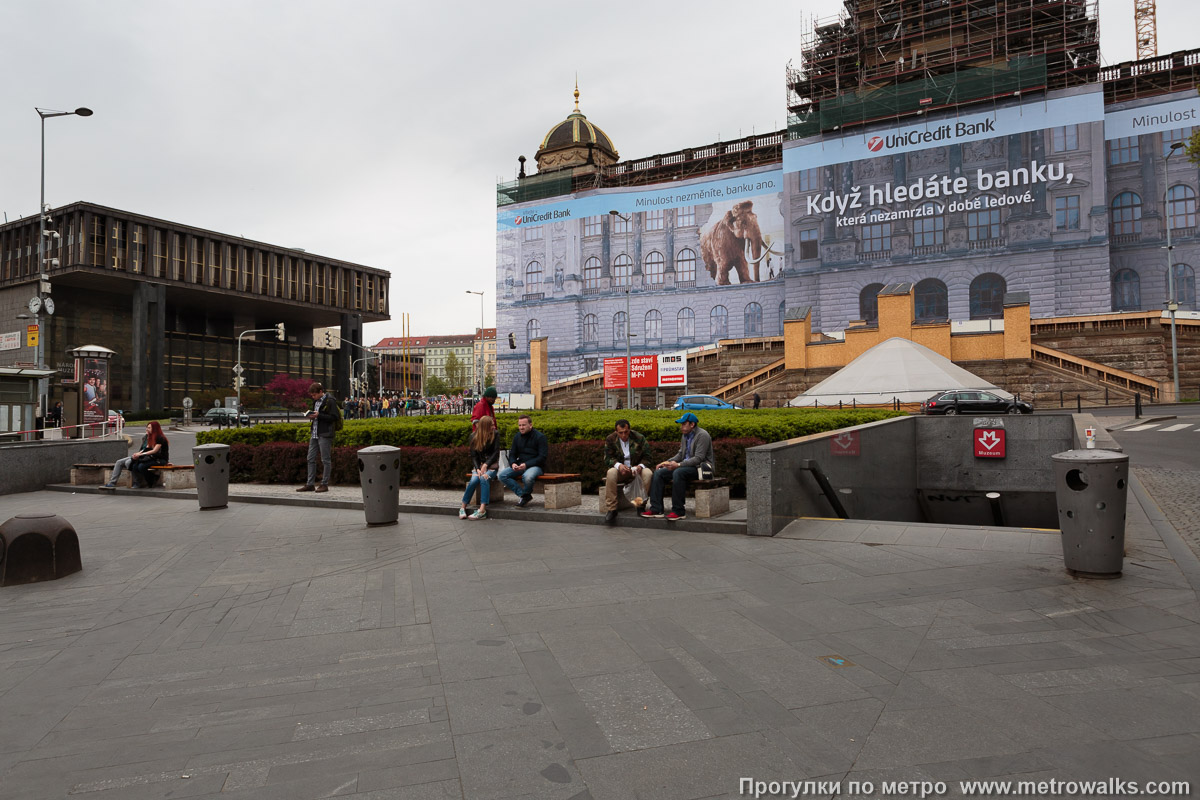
1145,29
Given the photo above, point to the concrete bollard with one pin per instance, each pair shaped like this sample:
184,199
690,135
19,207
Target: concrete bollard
1091,488
37,547
379,474
211,462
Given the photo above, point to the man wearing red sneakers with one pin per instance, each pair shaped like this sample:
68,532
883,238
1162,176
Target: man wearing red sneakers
695,458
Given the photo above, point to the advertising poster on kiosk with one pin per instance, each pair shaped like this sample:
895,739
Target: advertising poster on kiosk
95,390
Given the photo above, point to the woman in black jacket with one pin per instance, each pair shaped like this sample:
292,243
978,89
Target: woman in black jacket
485,455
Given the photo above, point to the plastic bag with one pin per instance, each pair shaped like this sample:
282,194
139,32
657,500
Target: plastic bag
504,459
633,491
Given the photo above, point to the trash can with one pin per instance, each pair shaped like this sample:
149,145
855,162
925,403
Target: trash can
379,473
1091,488
211,462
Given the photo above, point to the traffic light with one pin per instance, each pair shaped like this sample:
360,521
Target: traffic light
512,341
239,382
329,338
280,332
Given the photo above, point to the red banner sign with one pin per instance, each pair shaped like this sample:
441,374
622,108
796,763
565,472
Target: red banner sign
643,372
989,442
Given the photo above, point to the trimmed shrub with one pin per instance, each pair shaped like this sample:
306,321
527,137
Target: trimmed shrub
768,425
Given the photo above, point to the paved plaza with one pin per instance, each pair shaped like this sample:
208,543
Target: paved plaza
269,651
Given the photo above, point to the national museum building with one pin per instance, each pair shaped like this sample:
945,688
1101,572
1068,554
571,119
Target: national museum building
969,148
172,299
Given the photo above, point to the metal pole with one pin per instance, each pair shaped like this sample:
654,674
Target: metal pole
1171,304
41,268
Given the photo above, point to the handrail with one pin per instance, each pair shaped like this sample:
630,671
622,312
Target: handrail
753,379
1103,373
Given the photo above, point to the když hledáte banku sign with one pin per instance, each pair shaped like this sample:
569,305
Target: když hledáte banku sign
936,194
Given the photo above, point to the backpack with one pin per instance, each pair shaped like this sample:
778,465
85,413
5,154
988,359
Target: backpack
337,415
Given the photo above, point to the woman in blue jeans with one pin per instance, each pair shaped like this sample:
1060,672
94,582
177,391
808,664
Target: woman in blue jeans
485,455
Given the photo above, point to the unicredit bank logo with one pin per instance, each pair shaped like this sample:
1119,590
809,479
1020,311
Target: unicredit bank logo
517,221
875,143
941,134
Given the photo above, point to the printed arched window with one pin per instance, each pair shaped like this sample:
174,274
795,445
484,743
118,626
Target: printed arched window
754,320
1185,287
1181,207
655,267
931,300
685,266
653,324
687,323
533,277
782,314
868,302
622,269
591,274
533,330
718,322
591,331
1126,214
1127,291
619,325
987,296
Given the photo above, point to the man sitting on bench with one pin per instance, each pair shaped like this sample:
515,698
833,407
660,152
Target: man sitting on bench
693,461
526,460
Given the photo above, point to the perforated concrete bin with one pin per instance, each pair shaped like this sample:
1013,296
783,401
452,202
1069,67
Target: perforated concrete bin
1091,487
379,473
211,462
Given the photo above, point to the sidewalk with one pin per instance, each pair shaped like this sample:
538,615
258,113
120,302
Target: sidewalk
265,651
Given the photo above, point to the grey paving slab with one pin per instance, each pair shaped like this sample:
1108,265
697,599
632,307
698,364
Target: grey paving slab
291,651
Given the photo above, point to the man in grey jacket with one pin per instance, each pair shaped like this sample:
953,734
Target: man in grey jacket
694,457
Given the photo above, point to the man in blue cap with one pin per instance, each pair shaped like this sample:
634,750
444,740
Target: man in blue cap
695,458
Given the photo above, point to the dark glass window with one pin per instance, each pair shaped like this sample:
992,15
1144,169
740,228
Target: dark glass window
987,296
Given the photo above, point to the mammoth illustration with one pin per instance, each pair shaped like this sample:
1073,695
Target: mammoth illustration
734,242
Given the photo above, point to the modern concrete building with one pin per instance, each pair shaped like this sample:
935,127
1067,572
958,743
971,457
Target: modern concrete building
171,299
1011,162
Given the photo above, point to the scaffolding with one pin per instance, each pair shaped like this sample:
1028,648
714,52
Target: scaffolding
885,59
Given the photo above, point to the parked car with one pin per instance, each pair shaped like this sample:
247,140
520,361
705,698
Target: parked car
701,402
225,416
974,401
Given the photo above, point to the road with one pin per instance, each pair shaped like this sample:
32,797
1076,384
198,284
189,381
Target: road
1166,457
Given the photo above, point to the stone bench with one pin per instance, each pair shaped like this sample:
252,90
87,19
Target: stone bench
495,491
559,489
174,476
712,496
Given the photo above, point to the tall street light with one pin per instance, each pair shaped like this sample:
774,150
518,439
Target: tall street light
628,286
479,361
43,275
1172,302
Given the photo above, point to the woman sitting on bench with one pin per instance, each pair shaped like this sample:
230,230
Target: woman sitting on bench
155,451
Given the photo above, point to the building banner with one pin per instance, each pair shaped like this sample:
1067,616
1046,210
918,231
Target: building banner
10,340
643,373
672,369
1152,119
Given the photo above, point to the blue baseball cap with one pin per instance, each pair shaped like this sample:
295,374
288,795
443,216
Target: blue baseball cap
688,417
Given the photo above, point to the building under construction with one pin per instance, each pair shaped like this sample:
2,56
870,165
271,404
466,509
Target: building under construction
971,149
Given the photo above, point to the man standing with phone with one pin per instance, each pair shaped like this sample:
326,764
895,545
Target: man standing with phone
322,419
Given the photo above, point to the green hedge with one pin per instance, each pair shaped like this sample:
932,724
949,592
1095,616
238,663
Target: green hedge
767,425
447,467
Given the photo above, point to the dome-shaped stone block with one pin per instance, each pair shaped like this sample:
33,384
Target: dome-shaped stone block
37,547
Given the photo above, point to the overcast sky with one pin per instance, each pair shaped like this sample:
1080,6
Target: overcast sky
375,132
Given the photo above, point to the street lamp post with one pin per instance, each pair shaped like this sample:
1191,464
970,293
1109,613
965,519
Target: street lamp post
1172,302
43,275
238,380
628,287
479,361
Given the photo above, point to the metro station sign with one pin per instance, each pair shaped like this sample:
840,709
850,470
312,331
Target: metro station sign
845,444
989,442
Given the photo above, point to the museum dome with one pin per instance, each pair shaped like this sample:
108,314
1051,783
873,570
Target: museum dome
575,142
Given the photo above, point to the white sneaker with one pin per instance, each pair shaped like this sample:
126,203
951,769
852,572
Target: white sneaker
462,513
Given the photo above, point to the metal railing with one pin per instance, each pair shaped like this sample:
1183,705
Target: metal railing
1096,371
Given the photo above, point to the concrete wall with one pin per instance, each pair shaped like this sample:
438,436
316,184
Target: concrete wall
29,467
915,469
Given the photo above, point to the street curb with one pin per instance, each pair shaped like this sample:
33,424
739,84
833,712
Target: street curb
689,524
1185,558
